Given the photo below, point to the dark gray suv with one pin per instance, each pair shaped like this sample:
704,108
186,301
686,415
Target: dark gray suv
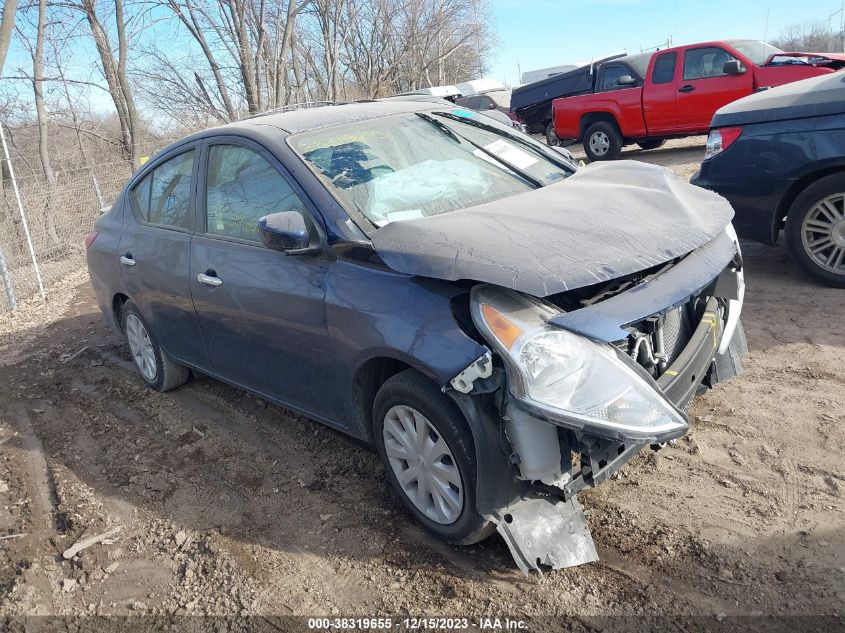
504,327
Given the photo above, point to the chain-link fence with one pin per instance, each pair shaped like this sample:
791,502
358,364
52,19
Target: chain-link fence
58,217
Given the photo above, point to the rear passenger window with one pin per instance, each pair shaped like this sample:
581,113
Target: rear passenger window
243,187
664,68
163,197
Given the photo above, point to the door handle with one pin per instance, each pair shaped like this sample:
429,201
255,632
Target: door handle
686,88
209,280
127,260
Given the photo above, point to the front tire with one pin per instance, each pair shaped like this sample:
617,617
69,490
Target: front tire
429,457
602,141
815,230
652,143
158,370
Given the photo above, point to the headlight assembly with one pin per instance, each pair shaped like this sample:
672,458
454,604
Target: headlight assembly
569,379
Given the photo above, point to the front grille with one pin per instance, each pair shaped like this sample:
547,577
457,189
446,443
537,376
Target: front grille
677,331
656,342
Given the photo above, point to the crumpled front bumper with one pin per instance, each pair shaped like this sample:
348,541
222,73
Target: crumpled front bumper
544,525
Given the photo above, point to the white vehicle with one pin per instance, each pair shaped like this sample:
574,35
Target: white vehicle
479,86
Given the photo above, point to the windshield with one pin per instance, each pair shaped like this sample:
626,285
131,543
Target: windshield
755,50
419,164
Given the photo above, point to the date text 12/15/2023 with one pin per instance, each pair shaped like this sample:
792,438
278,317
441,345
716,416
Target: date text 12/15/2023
421,623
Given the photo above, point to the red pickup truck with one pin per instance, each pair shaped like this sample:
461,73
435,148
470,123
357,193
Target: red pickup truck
647,98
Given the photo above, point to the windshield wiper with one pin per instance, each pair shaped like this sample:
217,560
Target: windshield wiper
550,155
450,132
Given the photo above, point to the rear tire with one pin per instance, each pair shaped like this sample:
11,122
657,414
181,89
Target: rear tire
652,144
158,370
815,230
602,141
411,401
551,137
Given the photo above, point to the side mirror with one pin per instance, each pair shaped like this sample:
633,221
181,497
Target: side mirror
286,232
626,80
733,67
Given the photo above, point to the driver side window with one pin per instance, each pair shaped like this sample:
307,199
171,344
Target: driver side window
610,78
241,188
705,62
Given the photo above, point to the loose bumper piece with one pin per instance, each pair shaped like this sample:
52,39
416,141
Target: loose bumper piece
545,531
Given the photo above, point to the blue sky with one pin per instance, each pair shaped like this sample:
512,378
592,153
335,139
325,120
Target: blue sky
534,34
540,33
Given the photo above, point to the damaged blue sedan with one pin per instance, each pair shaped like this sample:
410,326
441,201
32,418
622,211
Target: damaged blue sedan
504,327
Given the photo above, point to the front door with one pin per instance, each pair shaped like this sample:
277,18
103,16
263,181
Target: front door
262,314
704,87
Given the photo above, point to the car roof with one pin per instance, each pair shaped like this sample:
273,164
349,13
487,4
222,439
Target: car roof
308,119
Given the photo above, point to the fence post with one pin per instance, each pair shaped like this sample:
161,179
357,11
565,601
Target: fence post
20,209
7,282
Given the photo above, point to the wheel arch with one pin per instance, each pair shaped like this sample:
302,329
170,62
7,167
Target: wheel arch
589,118
368,378
118,301
795,190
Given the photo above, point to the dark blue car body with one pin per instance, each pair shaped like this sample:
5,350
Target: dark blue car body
621,249
791,136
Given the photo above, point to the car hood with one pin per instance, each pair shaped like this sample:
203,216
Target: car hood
814,97
604,221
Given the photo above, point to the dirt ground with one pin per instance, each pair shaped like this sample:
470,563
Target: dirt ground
217,503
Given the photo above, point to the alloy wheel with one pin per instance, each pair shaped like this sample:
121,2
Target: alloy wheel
141,347
423,464
823,233
599,143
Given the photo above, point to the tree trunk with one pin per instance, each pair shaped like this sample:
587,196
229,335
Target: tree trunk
125,89
6,27
110,71
41,115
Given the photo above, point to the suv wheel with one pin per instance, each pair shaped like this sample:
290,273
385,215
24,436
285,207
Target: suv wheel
429,456
602,141
157,369
815,230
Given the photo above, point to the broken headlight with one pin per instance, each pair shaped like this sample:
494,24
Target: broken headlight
567,378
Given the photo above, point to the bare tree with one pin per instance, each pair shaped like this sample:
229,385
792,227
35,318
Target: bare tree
6,28
809,37
114,70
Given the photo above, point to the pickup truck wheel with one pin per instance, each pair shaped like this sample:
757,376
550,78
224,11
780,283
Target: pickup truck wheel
602,141
652,143
429,456
815,230
551,137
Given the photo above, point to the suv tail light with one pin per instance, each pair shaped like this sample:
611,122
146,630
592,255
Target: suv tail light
89,239
720,139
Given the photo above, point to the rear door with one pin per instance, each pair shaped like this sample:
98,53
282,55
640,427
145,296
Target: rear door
659,94
704,87
262,314
155,249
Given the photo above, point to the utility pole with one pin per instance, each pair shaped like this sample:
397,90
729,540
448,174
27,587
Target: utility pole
829,24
